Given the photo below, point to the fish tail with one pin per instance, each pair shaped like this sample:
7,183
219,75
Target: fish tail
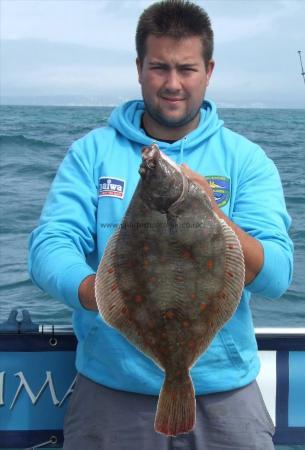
176,410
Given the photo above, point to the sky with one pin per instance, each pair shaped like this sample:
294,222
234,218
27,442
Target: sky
82,52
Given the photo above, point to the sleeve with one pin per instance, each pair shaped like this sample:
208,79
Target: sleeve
260,210
66,232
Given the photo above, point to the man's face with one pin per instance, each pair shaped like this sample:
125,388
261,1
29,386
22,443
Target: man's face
174,79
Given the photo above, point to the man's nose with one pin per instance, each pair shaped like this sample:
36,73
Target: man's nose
173,80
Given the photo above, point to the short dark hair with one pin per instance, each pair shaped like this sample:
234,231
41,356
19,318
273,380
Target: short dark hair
177,19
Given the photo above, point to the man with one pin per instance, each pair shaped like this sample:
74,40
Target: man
115,397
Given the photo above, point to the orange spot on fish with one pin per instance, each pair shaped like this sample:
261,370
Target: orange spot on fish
202,306
186,254
124,310
138,298
168,315
174,395
210,264
230,274
231,247
114,287
110,270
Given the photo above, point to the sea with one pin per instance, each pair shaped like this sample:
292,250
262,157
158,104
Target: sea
35,139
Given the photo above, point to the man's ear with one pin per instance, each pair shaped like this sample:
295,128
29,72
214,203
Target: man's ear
210,68
139,69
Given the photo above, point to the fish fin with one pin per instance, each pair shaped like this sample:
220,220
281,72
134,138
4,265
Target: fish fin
234,278
226,301
108,296
111,304
176,410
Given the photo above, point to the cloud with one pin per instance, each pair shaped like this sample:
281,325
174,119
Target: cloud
87,47
249,20
33,65
90,22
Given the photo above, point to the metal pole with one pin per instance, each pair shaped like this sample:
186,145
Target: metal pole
302,73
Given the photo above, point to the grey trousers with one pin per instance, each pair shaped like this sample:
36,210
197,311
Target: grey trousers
99,418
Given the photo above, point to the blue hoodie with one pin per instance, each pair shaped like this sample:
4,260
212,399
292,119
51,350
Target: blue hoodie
88,199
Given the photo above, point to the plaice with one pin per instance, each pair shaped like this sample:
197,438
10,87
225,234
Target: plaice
171,276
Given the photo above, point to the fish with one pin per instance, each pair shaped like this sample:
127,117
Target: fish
171,276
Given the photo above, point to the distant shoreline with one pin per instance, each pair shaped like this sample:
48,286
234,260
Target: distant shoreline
60,105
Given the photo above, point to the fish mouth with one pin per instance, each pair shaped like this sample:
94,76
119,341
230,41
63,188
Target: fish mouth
150,156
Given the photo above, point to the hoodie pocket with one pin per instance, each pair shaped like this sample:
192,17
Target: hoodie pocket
231,349
104,343
91,337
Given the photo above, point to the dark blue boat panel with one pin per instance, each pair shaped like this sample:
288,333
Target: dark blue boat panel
37,342
21,439
282,388
290,436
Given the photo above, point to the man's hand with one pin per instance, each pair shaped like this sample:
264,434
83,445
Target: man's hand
252,249
201,181
86,293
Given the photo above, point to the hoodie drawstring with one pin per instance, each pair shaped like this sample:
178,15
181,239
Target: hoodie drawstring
181,156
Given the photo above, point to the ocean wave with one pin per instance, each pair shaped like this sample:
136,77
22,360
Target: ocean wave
20,139
16,285
294,296
79,130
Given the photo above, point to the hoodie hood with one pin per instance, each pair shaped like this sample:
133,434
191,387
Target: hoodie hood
126,119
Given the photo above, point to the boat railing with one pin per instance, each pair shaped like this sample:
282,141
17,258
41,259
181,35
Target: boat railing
37,375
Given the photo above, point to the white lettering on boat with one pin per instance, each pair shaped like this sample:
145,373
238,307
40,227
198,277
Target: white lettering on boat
25,386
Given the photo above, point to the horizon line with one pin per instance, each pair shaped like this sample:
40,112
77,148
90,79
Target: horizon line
117,104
